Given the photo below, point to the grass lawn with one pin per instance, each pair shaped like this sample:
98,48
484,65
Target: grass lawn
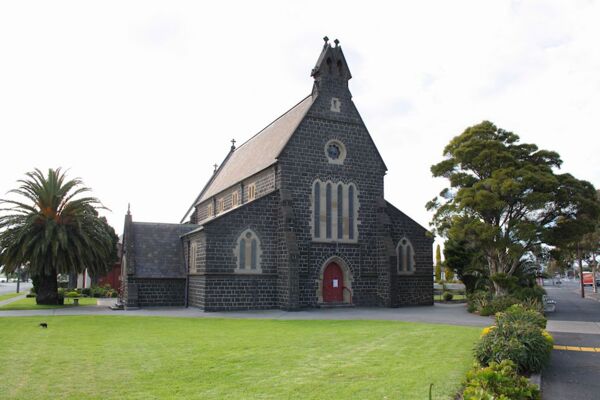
29,304
7,296
119,357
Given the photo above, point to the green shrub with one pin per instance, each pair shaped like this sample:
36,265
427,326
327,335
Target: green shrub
499,381
519,341
477,300
497,304
86,291
533,304
519,313
447,296
101,291
529,293
29,295
72,294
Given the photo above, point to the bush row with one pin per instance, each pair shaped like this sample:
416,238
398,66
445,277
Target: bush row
485,304
516,345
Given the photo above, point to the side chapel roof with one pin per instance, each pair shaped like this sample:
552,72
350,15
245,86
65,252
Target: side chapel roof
157,248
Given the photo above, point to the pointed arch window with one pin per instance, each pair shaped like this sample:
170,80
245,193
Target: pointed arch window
405,255
334,212
248,253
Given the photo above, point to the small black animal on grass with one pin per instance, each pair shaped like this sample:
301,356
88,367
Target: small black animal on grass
44,325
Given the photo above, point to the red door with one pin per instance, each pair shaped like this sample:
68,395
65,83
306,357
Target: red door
333,284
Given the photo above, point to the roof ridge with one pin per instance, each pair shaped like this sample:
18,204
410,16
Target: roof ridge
272,122
161,223
215,176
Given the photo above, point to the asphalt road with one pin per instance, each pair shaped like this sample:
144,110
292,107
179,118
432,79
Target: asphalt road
573,374
12,287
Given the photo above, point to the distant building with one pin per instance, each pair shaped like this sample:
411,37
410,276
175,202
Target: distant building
294,217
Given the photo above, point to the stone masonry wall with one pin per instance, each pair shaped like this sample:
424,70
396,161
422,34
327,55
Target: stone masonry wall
154,292
303,161
415,288
265,184
219,287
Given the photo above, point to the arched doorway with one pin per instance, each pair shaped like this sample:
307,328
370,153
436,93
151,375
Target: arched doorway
333,283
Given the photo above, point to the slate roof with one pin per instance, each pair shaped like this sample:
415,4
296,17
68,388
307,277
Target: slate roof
157,249
258,153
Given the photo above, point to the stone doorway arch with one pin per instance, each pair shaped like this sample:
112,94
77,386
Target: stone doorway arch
345,283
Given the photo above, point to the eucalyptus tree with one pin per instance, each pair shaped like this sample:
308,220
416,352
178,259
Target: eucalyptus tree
53,226
505,198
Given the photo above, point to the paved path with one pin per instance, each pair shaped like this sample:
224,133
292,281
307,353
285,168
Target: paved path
452,314
576,322
12,299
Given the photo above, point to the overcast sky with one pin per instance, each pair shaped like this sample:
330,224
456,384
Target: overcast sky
140,99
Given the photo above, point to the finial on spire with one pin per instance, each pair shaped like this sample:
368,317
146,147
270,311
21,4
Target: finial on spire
128,208
326,40
232,144
337,42
215,166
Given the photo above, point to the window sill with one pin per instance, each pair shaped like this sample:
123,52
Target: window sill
247,272
335,241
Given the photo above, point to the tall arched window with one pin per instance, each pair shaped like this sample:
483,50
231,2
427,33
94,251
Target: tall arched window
340,211
248,252
328,210
334,212
405,255
351,211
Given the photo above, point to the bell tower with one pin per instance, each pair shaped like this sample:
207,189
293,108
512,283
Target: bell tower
331,72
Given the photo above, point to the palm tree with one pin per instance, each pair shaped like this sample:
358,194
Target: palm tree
55,230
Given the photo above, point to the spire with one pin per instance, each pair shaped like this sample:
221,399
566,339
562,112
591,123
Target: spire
331,64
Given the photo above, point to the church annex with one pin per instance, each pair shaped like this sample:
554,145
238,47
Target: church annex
295,217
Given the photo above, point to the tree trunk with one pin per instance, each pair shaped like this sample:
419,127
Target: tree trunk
498,290
47,290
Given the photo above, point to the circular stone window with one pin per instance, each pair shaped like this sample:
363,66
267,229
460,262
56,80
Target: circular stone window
335,152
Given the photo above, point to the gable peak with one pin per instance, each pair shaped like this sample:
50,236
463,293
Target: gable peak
331,63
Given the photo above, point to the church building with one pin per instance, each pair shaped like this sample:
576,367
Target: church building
295,217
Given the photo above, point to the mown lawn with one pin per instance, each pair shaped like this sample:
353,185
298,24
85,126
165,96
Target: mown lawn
118,357
7,296
29,304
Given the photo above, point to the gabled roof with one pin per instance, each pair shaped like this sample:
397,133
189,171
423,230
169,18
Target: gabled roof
258,153
158,251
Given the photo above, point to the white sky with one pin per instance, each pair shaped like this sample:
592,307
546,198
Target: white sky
141,98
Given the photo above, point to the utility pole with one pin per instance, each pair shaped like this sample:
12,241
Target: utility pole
594,269
18,278
580,271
